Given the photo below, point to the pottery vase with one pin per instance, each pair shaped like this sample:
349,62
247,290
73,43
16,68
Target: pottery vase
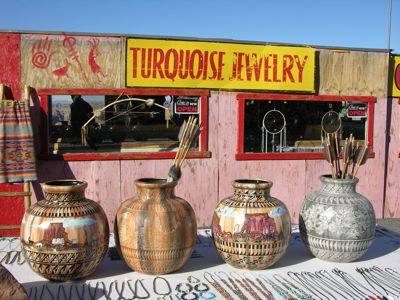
336,223
250,229
157,230
64,236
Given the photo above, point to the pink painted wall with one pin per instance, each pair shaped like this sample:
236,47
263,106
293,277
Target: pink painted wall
392,203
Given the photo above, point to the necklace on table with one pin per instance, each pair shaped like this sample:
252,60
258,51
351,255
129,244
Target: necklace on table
386,278
231,284
353,283
245,285
328,279
260,287
211,280
277,288
292,287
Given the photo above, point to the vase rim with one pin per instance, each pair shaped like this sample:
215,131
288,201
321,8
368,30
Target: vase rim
252,183
152,182
328,178
64,185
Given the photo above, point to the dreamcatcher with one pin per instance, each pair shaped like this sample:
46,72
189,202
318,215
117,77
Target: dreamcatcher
331,123
273,124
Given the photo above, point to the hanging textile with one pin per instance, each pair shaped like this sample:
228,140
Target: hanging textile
17,157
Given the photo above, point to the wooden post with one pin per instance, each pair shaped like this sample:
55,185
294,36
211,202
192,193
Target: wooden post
1,91
27,185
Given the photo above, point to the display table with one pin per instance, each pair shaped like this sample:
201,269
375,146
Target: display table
205,276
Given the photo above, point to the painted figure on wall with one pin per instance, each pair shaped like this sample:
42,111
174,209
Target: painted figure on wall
94,66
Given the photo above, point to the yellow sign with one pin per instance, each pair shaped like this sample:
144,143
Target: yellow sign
395,62
182,64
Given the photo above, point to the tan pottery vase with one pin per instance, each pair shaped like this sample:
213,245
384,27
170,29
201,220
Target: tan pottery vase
251,230
64,236
157,231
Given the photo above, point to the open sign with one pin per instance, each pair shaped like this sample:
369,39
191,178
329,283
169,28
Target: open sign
357,111
186,105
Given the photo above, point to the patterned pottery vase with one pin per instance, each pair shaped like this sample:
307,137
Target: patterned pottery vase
157,231
64,236
336,223
251,230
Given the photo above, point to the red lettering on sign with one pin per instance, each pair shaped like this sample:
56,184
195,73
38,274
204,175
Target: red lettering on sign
256,67
186,109
275,68
143,67
287,67
158,59
220,64
171,74
356,113
134,61
193,59
397,77
183,64
300,66
267,66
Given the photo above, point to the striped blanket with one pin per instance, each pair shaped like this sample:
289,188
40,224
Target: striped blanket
17,157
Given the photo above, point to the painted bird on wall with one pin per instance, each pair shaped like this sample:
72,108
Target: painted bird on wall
63,71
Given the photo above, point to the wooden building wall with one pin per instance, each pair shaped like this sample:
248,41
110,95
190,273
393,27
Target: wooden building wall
206,181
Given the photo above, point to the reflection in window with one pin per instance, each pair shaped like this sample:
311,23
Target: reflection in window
109,123
277,126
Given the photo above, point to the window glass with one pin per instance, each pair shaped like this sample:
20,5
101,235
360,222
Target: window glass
293,126
110,123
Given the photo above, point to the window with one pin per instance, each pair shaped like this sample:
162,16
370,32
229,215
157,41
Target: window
274,126
120,124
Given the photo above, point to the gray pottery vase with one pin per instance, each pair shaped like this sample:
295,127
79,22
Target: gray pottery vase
336,223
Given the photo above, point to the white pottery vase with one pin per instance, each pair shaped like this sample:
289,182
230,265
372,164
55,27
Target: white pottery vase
336,223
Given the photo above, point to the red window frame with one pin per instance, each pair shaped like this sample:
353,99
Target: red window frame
241,155
45,155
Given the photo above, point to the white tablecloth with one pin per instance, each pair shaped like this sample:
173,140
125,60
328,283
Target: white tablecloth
295,276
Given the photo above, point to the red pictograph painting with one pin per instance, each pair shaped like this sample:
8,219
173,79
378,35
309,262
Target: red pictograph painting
42,53
95,52
65,53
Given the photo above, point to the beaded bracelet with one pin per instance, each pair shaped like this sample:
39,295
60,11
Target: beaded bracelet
155,286
179,288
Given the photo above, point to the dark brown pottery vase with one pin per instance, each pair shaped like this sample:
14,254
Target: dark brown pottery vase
251,230
157,231
64,236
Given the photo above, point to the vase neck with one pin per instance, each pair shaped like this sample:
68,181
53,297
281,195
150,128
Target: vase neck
338,186
242,194
64,190
156,194
251,190
155,189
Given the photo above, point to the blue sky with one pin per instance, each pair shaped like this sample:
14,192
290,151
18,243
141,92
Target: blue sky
340,23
